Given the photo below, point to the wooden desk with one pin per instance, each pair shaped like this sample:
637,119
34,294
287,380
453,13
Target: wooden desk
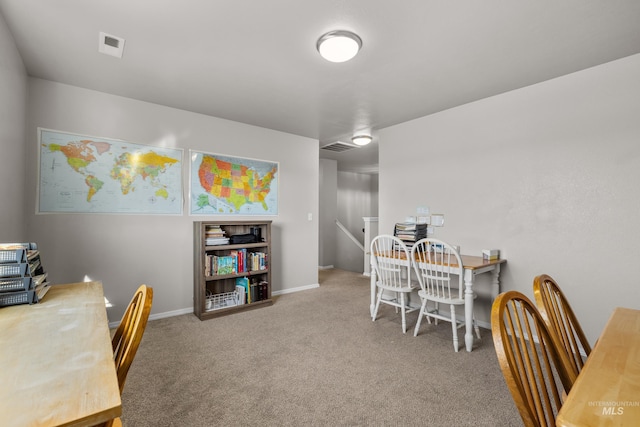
56,360
472,266
607,391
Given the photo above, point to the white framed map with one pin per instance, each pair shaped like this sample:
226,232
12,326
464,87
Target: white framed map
86,174
226,185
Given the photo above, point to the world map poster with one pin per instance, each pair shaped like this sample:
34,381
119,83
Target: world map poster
225,185
87,174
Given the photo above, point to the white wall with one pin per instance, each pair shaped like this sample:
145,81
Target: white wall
547,174
13,114
125,250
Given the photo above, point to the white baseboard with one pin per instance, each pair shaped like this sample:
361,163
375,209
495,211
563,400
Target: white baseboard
325,267
160,315
298,289
484,325
171,313
190,309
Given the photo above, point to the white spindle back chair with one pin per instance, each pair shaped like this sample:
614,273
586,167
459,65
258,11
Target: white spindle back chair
432,259
392,267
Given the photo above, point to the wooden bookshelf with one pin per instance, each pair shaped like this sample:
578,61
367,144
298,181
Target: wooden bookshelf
221,266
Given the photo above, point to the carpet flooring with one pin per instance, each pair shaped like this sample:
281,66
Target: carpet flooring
313,358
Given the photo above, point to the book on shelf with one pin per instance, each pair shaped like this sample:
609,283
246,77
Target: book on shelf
216,241
241,259
258,261
253,292
214,235
214,229
257,291
242,285
263,290
225,265
238,261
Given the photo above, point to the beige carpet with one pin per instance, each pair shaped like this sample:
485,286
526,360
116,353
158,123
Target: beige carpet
314,358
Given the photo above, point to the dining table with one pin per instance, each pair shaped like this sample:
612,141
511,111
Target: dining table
56,360
607,389
472,266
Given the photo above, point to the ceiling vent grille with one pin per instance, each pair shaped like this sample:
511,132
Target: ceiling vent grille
110,45
339,146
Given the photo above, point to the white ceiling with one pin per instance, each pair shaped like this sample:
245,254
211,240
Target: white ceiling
255,61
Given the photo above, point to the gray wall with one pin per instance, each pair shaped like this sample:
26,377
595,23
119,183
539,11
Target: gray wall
125,250
13,102
357,198
547,174
328,212
347,197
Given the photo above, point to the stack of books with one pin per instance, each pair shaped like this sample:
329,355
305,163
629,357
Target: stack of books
251,291
215,265
215,235
410,232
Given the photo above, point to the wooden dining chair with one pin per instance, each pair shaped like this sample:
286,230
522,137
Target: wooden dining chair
128,335
535,368
431,259
556,311
392,276
116,422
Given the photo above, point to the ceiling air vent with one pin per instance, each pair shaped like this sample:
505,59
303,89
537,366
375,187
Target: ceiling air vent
110,45
339,146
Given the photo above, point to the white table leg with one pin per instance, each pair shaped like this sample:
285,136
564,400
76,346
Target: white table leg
372,306
468,309
495,283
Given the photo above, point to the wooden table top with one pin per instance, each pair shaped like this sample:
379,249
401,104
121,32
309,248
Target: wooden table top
472,262
56,360
607,391
475,262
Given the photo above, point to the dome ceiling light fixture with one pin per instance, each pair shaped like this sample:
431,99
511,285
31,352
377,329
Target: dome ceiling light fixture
339,46
361,139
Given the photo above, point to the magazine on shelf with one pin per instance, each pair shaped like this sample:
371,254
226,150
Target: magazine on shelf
214,241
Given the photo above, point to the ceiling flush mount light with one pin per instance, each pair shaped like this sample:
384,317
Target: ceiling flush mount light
339,46
361,139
